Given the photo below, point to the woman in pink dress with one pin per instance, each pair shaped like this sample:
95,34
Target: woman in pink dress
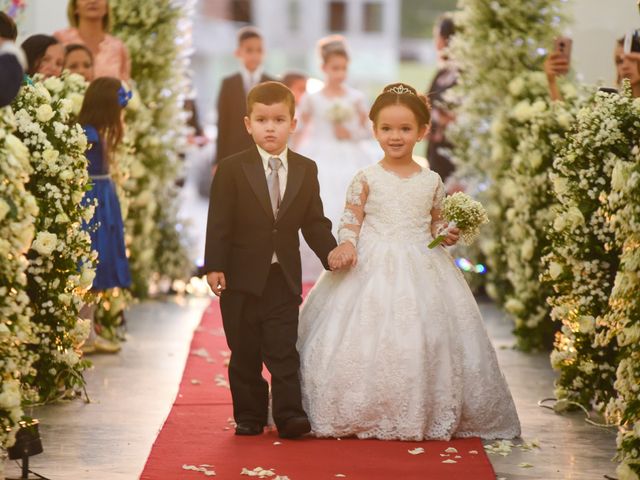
90,23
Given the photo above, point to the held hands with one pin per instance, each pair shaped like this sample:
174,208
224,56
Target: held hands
217,282
343,256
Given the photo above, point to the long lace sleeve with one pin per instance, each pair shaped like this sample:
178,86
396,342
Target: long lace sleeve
437,220
353,216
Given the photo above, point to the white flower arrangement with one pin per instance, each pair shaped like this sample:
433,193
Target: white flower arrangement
465,213
18,210
340,112
55,285
585,250
157,34
500,44
527,195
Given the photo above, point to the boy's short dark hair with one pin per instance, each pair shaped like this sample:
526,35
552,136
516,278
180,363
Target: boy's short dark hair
269,93
292,77
245,33
8,28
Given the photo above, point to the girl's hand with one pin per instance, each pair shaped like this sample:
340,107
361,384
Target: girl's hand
452,236
341,132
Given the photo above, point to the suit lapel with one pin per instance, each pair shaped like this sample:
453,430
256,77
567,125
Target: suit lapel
254,170
295,177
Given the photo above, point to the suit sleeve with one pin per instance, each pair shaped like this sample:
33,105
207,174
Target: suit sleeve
220,220
316,228
10,78
222,145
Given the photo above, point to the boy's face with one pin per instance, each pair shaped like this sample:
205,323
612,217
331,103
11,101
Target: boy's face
250,53
270,126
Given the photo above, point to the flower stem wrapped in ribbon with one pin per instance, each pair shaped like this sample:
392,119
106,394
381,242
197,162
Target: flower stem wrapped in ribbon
465,213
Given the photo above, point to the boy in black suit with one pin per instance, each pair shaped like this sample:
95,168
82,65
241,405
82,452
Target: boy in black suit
232,134
12,61
260,199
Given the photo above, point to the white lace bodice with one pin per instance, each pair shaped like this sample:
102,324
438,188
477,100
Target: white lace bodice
386,207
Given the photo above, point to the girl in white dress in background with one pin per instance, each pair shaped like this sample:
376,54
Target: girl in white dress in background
395,347
334,129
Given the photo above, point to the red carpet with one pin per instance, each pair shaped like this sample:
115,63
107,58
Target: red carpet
197,432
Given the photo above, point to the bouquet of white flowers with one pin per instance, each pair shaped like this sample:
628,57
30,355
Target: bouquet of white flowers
462,211
339,112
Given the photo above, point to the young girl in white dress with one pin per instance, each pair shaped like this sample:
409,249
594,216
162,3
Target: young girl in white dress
395,347
336,133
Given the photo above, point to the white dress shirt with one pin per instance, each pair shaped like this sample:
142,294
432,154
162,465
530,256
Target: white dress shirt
282,175
250,79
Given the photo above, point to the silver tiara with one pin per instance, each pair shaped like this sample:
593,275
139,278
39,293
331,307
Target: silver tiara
400,89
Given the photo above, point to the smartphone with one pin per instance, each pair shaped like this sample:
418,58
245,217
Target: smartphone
631,42
562,46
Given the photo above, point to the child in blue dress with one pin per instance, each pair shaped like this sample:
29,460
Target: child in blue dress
101,118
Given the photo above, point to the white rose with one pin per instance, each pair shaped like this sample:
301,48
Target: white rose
17,148
45,243
522,111
77,197
527,249
560,223
4,330
66,175
587,324
66,106
514,306
62,218
564,119
86,278
76,102
575,217
620,175
44,113
561,185
624,472
53,84
535,159
10,397
43,92
555,270
4,209
516,86
538,106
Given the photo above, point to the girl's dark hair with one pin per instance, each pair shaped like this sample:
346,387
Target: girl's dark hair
101,109
8,29
446,27
74,20
332,45
72,47
35,48
402,94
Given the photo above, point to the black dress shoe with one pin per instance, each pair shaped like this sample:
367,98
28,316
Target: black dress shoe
295,427
249,428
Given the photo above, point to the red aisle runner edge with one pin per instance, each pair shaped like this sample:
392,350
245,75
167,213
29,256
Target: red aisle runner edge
198,432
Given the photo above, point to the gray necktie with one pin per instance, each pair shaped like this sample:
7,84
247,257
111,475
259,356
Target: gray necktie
273,182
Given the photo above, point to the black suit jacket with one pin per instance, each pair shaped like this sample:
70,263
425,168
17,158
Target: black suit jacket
232,108
242,233
11,76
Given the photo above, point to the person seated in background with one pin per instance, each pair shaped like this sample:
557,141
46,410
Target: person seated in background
45,55
627,62
12,61
79,59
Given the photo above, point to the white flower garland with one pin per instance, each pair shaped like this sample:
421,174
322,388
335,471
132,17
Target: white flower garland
584,254
60,261
157,34
498,41
623,317
17,213
525,132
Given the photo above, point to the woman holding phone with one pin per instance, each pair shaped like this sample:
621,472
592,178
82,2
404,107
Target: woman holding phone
626,57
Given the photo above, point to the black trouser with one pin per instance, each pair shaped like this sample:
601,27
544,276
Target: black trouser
263,329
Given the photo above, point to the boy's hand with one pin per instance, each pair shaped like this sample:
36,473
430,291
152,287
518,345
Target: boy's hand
452,236
216,282
343,256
